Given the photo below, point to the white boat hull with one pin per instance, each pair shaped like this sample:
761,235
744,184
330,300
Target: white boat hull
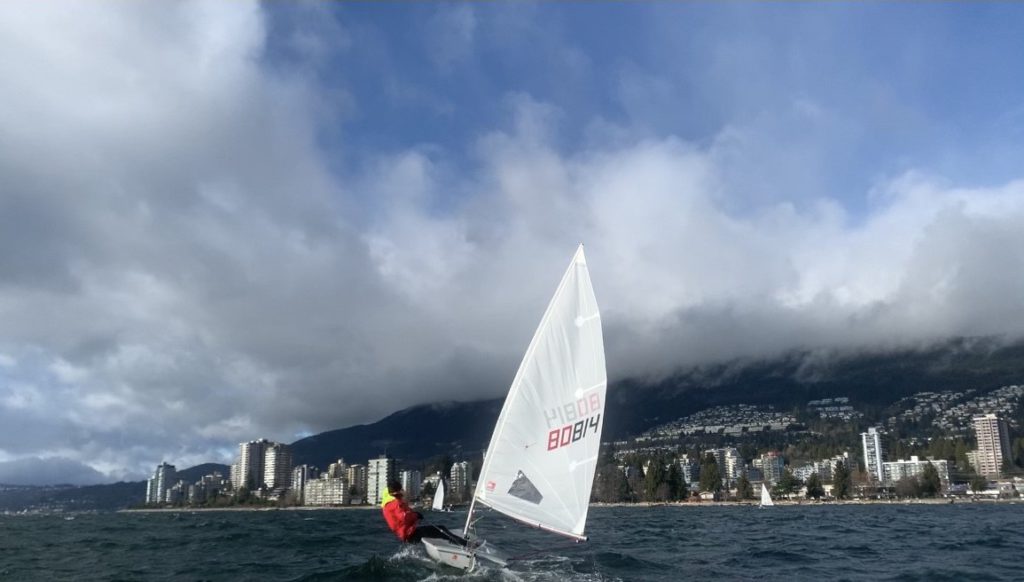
449,554
456,556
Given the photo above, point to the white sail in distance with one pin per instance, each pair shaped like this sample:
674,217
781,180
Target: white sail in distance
540,463
438,504
766,498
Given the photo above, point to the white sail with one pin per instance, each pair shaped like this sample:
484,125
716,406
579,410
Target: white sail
766,498
539,466
438,504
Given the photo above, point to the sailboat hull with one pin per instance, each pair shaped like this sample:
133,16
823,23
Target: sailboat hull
449,554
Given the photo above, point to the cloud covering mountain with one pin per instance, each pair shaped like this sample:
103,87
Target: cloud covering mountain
224,221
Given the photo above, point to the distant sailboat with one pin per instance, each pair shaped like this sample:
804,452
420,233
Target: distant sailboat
766,498
438,504
539,466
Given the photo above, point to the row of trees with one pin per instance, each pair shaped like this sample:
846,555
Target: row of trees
658,478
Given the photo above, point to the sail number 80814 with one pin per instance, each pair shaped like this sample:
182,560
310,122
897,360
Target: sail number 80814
571,433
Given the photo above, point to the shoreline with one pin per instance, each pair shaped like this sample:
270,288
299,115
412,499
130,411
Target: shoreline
809,503
641,505
187,509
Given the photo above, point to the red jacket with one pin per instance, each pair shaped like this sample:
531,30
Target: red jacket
400,518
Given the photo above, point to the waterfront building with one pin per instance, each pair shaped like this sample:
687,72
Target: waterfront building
251,459
460,476
874,453
277,466
337,469
691,470
302,475
771,465
378,473
327,491
357,478
411,482
896,470
177,493
993,444
162,480
733,464
207,487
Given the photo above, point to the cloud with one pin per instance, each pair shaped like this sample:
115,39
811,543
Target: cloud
54,471
186,262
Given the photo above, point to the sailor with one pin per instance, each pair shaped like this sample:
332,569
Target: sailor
403,521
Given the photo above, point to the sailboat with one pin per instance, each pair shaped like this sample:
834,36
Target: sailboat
766,498
539,465
438,504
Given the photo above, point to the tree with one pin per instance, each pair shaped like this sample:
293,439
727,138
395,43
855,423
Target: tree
979,483
634,481
610,485
814,487
788,484
908,487
840,481
710,477
931,484
676,482
744,490
653,481
427,493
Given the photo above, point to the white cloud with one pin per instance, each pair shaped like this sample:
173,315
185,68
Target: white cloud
182,268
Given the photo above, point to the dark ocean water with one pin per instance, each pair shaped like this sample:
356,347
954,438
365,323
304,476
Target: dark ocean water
848,542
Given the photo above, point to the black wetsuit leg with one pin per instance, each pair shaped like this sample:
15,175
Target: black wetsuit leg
435,531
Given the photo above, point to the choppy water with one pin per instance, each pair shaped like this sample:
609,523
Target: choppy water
849,542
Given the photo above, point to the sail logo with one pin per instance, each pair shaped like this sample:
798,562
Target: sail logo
586,410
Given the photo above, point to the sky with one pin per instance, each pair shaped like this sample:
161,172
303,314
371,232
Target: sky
222,221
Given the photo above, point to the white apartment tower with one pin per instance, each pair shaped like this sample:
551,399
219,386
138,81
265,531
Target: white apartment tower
162,480
380,471
277,466
459,478
993,444
302,475
251,459
337,469
874,453
411,481
772,464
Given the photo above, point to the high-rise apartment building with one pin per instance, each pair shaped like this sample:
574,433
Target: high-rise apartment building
380,471
771,465
251,460
337,469
277,466
460,476
993,444
302,475
357,478
874,453
411,481
163,479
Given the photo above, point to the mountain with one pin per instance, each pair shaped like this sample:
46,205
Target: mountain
416,433
106,497
870,380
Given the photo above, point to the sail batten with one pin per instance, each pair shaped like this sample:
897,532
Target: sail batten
540,463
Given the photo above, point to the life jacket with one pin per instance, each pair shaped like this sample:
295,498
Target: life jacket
400,518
